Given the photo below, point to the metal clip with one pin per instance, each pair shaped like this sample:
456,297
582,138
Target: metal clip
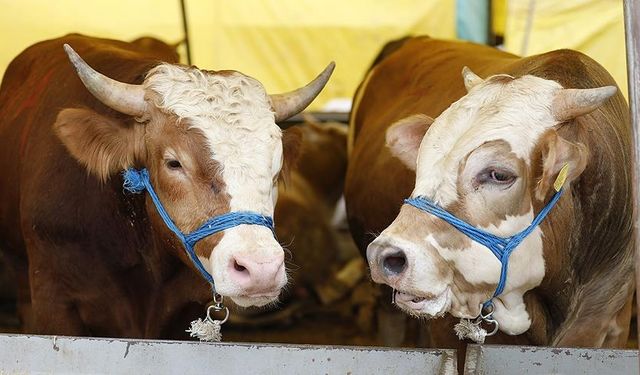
218,305
487,317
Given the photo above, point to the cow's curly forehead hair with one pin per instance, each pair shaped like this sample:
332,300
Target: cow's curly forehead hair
234,114
188,92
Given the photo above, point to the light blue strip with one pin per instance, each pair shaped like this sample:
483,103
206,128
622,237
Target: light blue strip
501,247
472,20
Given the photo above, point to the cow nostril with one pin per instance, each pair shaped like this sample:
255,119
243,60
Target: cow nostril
395,263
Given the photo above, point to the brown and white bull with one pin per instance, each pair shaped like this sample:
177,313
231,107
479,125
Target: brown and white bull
93,259
491,157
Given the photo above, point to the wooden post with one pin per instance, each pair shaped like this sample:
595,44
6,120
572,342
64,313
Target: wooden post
632,36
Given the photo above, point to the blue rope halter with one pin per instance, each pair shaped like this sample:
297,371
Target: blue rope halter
501,247
136,181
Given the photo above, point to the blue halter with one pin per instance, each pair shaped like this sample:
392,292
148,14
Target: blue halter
136,181
501,247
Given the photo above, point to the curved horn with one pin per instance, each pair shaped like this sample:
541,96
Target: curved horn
122,97
571,103
470,78
288,104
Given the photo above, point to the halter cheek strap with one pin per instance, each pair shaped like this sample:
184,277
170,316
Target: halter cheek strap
136,181
501,247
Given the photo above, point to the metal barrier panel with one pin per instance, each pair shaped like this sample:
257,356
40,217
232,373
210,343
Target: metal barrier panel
632,38
25,354
509,360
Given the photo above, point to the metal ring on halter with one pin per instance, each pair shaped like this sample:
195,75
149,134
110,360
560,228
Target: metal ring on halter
226,313
495,329
218,299
490,308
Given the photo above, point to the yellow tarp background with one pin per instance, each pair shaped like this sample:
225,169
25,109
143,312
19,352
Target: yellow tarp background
283,43
594,27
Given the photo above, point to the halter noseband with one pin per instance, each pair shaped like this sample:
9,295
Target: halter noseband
136,181
501,247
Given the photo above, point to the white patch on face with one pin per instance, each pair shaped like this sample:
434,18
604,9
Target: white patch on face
243,240
423,268
478,265
234,113
517,112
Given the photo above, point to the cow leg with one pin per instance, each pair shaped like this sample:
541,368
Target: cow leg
23,297
604,325
52,311
618,331
174,304
15,285
8,295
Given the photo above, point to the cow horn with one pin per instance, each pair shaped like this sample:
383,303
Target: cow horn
122,97
571,103
470,78
288,104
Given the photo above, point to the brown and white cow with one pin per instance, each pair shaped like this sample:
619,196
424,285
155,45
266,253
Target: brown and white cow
491,157
96,260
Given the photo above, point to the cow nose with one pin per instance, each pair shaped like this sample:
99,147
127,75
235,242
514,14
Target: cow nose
257,277
394,264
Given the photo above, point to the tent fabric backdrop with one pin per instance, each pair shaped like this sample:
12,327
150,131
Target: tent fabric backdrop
282,43
594,27
285,43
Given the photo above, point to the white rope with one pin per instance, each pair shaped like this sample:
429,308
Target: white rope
206,330
466,329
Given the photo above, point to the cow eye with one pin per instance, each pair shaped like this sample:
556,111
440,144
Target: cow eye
496,176
501,177
173,164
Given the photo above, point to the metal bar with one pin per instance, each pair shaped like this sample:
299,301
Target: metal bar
24,354
505,359
185,28
632,37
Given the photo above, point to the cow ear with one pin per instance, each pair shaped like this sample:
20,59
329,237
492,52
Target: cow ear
404,137
103,145
559,154
291,146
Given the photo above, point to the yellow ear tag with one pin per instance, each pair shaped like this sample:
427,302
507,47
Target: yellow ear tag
562,177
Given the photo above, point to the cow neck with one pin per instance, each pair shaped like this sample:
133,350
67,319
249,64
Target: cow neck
500,247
